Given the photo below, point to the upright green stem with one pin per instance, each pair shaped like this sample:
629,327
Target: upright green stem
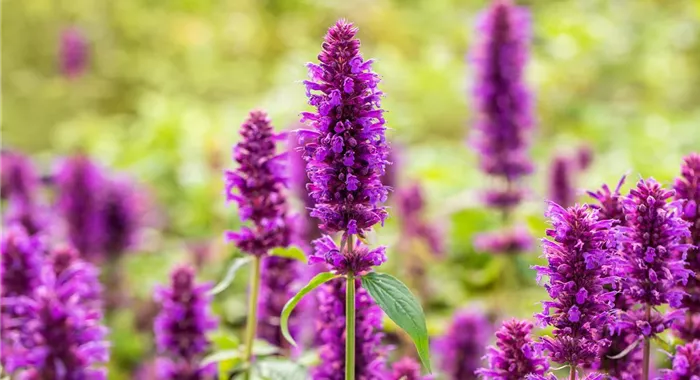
252,321
646,349
350,321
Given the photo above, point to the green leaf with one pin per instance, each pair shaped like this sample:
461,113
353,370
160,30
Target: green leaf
402,307
292,303
236,264
280,369
291,252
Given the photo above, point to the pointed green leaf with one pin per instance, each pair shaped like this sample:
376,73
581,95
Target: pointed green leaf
402,307
220,356
292,303
291,252
236,264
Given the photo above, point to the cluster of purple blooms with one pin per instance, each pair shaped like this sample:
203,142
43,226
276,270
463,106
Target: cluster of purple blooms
464,344
51,311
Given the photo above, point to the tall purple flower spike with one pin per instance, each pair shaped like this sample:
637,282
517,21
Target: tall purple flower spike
561,176
257,186
463,345
18,177
654,256
610,202
181,327
278,284
73,52
410,207
20,274
515,354
120,217
578,256
687,188
370,355
686,363
80,196
60,334
346,151
503,105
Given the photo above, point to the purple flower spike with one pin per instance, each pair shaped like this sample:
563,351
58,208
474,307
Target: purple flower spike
686,363
69,267
561,187
181,327
80,188
346,151
359,261
120,217
407,369
74,52
410,207
502,101
18,177
687,188
370,356
59,334
463,345
653,252
278,284
580,308
515,354
257,187
509,241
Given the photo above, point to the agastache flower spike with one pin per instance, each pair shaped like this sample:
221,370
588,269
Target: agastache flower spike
369,354
257,186
515,354
687,188
686,363
580,307
463,345
346,150
73,52
654,255
181,327
277,285
120,217
610,205
19,179
561,187
503,104
60,333
80,188
407,369
410,207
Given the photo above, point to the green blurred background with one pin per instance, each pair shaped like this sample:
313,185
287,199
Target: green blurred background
168,83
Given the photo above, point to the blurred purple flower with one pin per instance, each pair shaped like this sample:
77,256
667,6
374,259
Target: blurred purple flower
561,178
503,103
463,345
407,368
307,229
59,335
278,284
515,354
259,184
80,196
653,253
370,355
73,52
359,261
410,207
686,363
346,150
581,307
18,178
508,241
85,278
120,213
181,327
584,157
503,199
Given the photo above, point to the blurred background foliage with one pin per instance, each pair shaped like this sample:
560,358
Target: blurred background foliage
169,82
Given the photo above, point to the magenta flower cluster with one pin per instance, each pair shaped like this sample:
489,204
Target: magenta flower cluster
370,356
515,355
463,345
181,327
346,150
359,260
686,363
257,187
580,307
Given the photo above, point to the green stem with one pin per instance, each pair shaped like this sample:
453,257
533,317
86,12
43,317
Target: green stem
252,321
350,327
647,349
350,320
